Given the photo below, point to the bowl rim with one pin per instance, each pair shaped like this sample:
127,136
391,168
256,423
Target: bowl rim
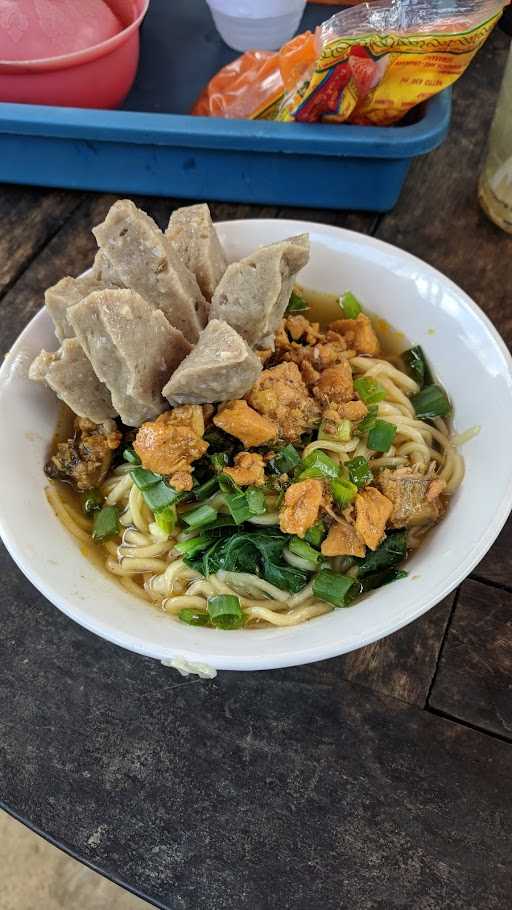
62,61
279,655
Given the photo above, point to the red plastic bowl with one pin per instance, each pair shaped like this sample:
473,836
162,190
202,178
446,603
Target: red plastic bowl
99,77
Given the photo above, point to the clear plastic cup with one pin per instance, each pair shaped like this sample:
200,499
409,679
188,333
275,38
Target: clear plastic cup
256,24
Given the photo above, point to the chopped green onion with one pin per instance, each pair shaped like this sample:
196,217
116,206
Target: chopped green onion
225,611
206,489
332,587
318,464
296,304
303,549
166,519
431,402
193,617
368,422
227,484
244,506
145,479
106,524
193,546
219,461
284,461
343,491
369,390
359,471
130,455
238,507
316,534
417,366
342,431
92,501
159,496
256,501
381,436
200,517
350,305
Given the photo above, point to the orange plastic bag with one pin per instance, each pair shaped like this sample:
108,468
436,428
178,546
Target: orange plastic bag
367,64
252,87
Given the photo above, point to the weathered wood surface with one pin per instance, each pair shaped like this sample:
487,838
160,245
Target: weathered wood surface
29,217
474,678
260,791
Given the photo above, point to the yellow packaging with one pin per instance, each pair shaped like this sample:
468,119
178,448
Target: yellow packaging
367,64
376,78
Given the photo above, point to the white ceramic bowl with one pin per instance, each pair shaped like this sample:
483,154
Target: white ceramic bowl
469,358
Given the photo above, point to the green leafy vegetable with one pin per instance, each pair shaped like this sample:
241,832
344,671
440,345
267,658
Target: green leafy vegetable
343,491
257,552
316,534
379,579
106,524
221,442
130,455
359,471
332,587
381,436
318,464
369,390
304,550
145,479
417,366
296,304
194,617
159,496
92,501
431,402
372,582
350,305
225,611
391,551
284,461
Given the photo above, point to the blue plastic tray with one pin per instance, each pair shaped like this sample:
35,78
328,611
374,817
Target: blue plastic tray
152,146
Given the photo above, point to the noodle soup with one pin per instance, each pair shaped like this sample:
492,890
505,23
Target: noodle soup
280,531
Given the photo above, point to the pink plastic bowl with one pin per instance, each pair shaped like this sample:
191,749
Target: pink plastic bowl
99,76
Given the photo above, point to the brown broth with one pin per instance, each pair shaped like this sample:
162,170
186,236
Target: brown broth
325,308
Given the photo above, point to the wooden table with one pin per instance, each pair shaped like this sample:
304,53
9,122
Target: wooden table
377,780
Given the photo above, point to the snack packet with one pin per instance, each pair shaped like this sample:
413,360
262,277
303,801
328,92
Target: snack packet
368,64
